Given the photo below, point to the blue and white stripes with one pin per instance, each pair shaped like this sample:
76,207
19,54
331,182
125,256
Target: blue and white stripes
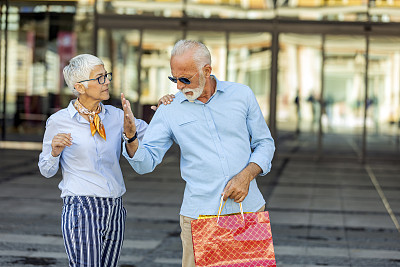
93,230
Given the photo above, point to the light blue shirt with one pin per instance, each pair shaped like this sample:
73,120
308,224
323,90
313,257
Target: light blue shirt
217,139
90,166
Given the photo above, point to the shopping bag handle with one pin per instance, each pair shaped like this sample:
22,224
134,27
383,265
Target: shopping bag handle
221,207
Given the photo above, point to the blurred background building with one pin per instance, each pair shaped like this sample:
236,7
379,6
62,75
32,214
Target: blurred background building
326,73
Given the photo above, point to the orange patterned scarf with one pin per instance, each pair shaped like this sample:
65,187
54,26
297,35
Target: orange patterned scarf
94,119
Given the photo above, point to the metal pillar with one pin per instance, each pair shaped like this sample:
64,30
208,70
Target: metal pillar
364,137
298,90
139,111
3,125
3,135
274,81
321,97
227,38
95,28
184,20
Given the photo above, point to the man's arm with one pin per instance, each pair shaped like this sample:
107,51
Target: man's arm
262,145
144,155
129,121
238,187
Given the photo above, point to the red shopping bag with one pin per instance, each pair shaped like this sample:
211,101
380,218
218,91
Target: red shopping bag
233,240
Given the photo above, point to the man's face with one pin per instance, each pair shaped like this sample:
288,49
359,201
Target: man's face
193,94
183,66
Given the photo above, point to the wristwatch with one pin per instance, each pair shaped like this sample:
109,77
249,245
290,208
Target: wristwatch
129,140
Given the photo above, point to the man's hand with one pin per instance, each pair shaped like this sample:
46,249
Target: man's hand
129,126
167,99
238,187
59,142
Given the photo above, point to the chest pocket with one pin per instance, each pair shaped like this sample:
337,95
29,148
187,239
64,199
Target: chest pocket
189,130
184,122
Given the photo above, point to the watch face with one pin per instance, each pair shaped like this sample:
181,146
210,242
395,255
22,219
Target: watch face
125,138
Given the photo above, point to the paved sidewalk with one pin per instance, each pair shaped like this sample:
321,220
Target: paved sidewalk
327,213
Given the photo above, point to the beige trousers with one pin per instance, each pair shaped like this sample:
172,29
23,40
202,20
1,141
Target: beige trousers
186,237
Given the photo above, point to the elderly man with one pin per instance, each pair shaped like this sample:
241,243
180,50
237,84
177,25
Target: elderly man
224,140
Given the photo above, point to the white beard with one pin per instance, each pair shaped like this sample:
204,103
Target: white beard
196,91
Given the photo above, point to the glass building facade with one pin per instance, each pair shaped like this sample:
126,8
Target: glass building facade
325,72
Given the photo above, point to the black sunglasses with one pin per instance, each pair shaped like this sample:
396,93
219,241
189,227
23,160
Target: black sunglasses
182,79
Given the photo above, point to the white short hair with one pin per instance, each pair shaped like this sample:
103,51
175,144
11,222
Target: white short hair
201,55
79,69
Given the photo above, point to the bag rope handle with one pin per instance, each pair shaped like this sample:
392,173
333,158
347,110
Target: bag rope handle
221,207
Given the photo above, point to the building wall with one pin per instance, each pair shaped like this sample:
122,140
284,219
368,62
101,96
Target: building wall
321,65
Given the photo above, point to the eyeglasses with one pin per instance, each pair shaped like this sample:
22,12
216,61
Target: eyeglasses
181,79
101,79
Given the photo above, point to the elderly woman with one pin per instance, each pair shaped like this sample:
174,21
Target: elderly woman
85,139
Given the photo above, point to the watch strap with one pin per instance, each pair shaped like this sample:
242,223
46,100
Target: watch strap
131,139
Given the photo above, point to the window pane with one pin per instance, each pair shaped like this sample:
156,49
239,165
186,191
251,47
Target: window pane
344,95
383,112
249,63
299,87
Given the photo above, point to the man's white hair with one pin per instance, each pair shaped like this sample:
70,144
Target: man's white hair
79,69
201,54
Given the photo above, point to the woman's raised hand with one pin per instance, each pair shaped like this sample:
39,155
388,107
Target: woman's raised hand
129,119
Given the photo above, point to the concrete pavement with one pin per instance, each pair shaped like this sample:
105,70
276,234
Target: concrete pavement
328,213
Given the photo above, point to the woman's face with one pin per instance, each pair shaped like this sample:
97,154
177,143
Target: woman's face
96,91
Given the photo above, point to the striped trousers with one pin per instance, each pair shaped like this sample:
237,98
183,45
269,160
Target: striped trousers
93,230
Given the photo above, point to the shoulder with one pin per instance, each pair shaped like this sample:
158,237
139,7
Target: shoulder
227,85
176,103
113,110
62,113
237,89
65,113
59,117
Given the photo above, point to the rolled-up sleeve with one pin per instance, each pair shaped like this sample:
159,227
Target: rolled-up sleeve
48,165
262,143
141,127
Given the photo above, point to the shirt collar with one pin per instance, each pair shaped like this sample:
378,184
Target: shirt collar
72,110
219,87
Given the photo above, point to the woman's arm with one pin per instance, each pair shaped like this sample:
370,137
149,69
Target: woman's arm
53,144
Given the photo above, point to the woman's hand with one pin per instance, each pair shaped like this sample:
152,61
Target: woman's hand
129,127
167,99
59,142
129,119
